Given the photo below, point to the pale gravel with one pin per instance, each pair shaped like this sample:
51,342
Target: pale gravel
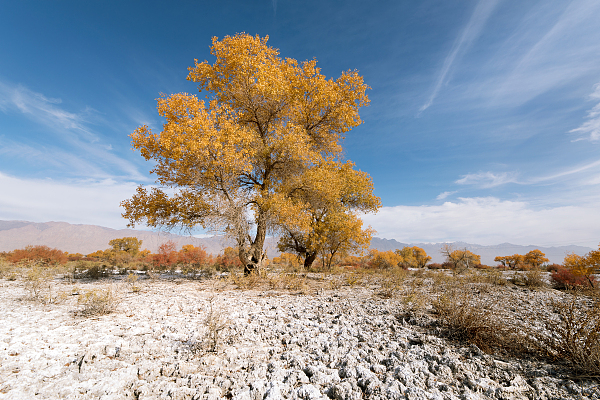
344,344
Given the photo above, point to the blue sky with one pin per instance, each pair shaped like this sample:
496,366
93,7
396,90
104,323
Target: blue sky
484,123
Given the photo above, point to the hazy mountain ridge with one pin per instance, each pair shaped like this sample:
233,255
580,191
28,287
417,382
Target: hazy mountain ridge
86,239
556,254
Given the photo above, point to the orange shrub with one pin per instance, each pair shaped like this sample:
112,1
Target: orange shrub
228,260
384,259
287,259
43,254
193,256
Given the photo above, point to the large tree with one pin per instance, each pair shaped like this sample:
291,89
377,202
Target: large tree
234,160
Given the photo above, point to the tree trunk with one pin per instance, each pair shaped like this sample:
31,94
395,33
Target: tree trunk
310,258
254,257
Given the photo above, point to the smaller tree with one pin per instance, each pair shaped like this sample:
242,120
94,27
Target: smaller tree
512,262
584,266
192,256
535,258
384,259
413,257
130,245
228,260
461,259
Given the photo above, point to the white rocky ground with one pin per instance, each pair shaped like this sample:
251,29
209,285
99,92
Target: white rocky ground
343,344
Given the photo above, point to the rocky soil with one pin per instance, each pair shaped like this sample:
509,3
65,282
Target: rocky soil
343,343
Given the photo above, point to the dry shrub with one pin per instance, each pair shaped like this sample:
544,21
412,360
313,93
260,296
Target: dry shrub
288,281
534,279
38,281
132,281
435,266
573,336
98,302
354,278
335,283
464,319
248,282
391,281
7,270
415,302
215,324
494,277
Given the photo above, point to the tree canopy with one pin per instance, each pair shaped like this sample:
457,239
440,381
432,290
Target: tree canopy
332,193
236,161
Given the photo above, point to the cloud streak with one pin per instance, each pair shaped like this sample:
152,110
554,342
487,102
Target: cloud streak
71,128
469,34
591,128
487,179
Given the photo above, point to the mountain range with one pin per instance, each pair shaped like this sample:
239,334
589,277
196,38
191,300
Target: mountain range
86,239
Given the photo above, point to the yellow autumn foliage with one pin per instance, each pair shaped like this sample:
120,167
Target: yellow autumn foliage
234,160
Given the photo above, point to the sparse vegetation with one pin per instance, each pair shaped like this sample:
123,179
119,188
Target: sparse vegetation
96,302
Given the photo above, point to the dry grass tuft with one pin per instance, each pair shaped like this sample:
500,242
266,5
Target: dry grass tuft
98,302
39,283
573,335
215,323
391,282
478,324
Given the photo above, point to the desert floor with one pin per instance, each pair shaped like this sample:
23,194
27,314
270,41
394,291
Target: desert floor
345,337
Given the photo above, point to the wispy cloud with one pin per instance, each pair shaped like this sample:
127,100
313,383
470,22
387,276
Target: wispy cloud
71,129
591,127
468,35
443,195
489,221
487,179
545,52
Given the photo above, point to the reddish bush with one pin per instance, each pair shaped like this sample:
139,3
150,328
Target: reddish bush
564,279
228,260
553,267
43,254
166,257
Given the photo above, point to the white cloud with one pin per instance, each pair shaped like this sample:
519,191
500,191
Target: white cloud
591,127
80,202
443,195
489,221
487,179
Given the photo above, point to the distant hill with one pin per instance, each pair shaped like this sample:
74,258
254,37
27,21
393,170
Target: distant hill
86,239
487,253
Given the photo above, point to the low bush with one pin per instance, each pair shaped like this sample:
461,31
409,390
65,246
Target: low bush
38,281
229,260
38,254
465,320
435,266
97,302
574,336
566,279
